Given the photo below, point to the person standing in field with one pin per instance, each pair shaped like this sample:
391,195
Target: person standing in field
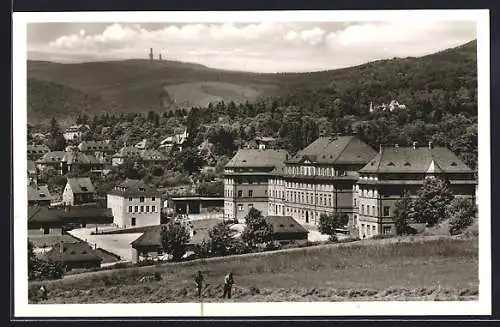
199,282
42,293
228,285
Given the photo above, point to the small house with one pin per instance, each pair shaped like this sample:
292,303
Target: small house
35,152
285,229
74,255
39,195
78,190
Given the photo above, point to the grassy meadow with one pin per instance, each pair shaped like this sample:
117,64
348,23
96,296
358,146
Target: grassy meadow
424,269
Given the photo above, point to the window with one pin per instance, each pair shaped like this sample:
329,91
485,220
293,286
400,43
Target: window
130,199
141,199
41,195
250,205
240,207
362,209
153,199
84,188
373,229
355,203
136,209
129,208
147,208
386,230
153,209
46,230
142,208
133,221
387,211
250,193
240,193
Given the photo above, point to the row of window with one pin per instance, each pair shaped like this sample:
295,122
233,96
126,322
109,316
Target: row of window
318,187
371,230
309,198
316,171
141,199
371,211
141,209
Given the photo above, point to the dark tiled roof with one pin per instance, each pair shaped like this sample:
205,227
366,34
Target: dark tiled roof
81,185
43,215
127,151
285,224
418,160
152,155
52,157
152,237
77,212
134,188
43,241
40,192
257,158
95,146
72,252
59,215
37,149
335,150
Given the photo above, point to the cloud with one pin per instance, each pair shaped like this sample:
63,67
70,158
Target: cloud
264,47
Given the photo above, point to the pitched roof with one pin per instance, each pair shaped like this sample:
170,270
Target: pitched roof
134,188
152,236
52,157
285,224
40,192
43,215
418,160
72,252
257,158
75,212
42,241
60,215
127,151
81,185
335,150
151,155
95,146
33,149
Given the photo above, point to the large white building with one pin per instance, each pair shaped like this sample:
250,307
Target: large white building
246,181
133,203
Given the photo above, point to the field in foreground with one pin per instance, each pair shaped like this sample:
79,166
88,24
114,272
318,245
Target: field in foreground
436,269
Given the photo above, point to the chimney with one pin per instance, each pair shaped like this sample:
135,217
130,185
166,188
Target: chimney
430,145
414,145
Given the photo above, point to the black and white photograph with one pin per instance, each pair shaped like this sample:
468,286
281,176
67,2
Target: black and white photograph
252,163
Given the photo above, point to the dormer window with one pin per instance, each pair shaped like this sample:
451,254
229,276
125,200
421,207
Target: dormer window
281,225
291,225
42,195
390,164
407,164
142,189
84,188
453,163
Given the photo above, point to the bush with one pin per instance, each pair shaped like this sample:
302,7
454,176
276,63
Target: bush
328,224
203,250
461,212
174,239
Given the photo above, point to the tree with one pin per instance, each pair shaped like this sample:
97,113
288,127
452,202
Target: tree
328,224
257,230
189,160
221,237
432,199
461,213
174,239
403,213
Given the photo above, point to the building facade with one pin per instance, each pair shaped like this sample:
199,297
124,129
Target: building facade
319,179
133,203
395,171
246,181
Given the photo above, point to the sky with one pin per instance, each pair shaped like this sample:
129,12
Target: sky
258,47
